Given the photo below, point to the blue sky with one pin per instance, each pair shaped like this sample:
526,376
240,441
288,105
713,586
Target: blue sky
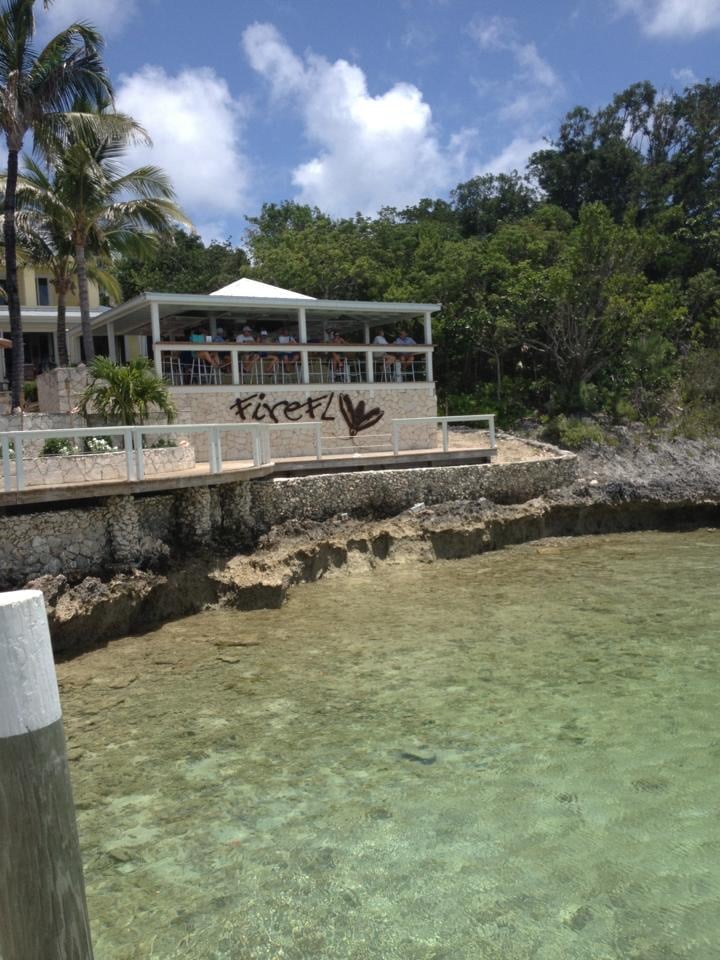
351,106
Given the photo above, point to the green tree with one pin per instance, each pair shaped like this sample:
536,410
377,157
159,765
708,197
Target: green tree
125,395
182,264
38,90
103,209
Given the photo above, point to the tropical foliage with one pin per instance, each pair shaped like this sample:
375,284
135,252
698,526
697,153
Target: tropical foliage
125,394
37,92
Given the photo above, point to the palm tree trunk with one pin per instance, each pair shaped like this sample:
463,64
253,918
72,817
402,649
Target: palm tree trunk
17,369
82,279
62,357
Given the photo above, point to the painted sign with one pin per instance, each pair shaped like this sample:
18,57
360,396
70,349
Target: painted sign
257,408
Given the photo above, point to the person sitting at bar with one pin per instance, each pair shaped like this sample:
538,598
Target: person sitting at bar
287,359
404,360
381,341
338,361
246,336
269,361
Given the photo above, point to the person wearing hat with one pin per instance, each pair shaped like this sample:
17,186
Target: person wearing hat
269,361
246,336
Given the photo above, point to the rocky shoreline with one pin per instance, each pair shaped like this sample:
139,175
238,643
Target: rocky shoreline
629,486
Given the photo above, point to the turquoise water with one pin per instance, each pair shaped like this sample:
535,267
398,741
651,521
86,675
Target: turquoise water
513,756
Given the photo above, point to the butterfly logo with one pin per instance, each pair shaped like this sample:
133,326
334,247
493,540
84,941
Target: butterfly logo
356,417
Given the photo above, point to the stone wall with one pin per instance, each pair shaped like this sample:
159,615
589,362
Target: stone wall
319,404
39,421
59,390
124,533
93,467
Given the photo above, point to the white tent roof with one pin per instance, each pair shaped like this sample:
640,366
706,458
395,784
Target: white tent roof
254,288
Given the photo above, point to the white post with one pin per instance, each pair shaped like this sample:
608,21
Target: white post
445,438
7,482
155,330
112,350
42,890
19,467
302,337
212,323
235,366
370,367
366,331
139,455
428,342
491,430
129,455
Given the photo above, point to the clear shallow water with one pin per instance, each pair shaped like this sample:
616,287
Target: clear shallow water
514,756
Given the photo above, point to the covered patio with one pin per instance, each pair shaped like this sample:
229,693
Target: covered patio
250,334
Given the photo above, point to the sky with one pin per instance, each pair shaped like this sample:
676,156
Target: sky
352,106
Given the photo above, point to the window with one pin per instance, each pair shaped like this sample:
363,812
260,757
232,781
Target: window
43,292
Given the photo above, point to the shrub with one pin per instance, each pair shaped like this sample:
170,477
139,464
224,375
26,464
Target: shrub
572,434
31,391
55,447
98,445
161,443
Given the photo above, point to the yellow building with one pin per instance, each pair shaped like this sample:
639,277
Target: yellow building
38,302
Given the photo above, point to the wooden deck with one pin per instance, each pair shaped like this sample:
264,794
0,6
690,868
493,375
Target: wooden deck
234,470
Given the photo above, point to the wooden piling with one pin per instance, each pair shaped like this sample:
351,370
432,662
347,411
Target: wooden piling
43,912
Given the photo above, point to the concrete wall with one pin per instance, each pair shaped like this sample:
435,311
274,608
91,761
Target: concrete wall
124,533
91,467
59,390
319,403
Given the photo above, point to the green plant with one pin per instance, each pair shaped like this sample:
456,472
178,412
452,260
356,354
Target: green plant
125,394
98,445
55,447
31,391
161,443
572,434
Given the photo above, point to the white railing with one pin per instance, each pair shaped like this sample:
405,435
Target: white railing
361,363
488,418
12,444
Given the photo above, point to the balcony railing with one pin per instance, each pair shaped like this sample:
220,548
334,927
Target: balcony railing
215,364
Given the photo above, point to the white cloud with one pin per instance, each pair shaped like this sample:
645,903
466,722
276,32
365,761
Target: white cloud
686,76
371,150
195,125
673,18
513,157
109,16
533,86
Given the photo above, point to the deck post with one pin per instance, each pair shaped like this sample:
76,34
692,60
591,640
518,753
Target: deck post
302,337
42,890
155,330
428,342
7,481
112,350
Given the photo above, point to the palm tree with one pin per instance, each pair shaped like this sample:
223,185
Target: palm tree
44,237
37,90
125,394
105,209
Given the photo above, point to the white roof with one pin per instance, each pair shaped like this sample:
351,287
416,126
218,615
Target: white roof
245,287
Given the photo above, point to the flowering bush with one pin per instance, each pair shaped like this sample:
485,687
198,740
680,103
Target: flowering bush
55,447
98,445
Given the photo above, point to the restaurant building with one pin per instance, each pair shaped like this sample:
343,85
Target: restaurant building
254,353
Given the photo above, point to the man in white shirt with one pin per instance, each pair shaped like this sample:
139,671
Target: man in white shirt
246,336
405,360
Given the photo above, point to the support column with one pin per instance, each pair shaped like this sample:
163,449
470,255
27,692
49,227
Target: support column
112,350
428,341
155,330
42,891
302,337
